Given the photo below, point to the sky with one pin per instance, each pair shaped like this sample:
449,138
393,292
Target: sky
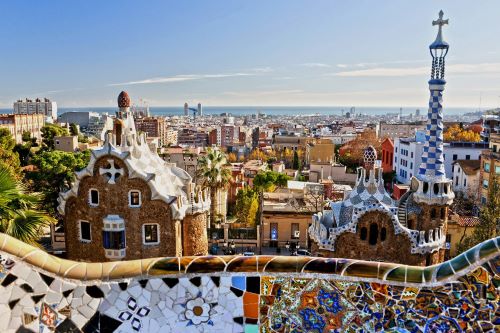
246,53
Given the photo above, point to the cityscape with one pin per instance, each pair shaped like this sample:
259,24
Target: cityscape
276,198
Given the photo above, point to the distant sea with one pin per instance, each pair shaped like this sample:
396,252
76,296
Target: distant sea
271,110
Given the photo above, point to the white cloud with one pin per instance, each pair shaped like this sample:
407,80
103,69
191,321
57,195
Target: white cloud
484,68
342,65
315,65
181,78
262,69
262,92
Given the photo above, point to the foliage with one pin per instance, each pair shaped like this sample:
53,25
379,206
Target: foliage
50,131
9,159
247,206
231,158
457,133
296,162
213,173
351,153
269,180
55,171
73,129
489,219
20,216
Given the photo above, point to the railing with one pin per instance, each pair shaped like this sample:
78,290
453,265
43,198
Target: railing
40,292
215,233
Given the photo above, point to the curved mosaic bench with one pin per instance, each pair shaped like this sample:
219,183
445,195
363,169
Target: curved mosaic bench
43,293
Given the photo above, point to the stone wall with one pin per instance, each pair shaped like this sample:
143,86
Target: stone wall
42,293
113,199
194,235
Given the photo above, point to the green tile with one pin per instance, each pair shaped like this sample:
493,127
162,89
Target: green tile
398,274
459,263
362,269
444,271
414,274
488,248
250,328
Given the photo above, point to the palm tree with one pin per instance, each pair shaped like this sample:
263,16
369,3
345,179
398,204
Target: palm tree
19,214
214,174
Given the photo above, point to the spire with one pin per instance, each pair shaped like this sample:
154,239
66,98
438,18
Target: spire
433,186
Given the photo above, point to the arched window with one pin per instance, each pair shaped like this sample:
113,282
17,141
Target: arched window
410,224
443,213
433,213
383,234
373,234
426,187
436,189
364,233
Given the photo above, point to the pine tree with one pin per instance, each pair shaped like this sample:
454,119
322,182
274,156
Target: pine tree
489,219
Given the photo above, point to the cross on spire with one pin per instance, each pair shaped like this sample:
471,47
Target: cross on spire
440,22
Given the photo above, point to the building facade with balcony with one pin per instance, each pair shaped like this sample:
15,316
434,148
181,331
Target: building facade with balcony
490,166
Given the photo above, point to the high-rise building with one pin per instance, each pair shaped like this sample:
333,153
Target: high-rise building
153,127
200,110
186,109
38,106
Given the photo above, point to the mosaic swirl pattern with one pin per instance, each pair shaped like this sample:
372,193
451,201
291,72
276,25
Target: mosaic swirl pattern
41,293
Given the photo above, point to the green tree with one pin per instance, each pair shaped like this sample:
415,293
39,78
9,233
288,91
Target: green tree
55,171
296,161
50,131
73,129
489,219
269,180
247,206
214,173
9,159
20,214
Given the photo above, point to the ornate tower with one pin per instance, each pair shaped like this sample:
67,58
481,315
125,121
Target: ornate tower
431,185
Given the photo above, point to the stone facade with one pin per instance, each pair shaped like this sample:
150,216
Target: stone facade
128,203
114,199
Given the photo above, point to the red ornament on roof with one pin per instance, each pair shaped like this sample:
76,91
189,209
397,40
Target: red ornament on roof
123,100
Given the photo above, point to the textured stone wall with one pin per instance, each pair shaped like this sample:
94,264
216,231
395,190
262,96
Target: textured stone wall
194,235
395,248
42,293
113,199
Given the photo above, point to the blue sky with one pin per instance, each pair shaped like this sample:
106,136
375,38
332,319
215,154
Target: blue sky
259,52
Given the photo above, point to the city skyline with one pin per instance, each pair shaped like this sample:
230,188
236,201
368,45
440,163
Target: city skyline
245,54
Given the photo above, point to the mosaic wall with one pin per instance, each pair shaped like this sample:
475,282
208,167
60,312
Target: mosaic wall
41,293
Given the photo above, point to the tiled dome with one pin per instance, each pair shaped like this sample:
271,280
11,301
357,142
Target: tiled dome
123,100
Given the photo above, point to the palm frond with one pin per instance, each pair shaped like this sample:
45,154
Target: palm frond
27,225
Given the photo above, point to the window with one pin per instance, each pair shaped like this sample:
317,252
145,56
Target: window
467,157
433,213
363,234
150,234
486,167
411,154
85,235
465,181
483,200
453,168
455,157
295,231
134,198
383,234
497,169
114,240
94,197
456,181
373,234
485,183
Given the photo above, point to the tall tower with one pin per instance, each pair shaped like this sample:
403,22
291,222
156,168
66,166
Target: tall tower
200,110
433,186
186,109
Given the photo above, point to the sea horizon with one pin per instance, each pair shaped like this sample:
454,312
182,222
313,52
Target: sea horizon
273,110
